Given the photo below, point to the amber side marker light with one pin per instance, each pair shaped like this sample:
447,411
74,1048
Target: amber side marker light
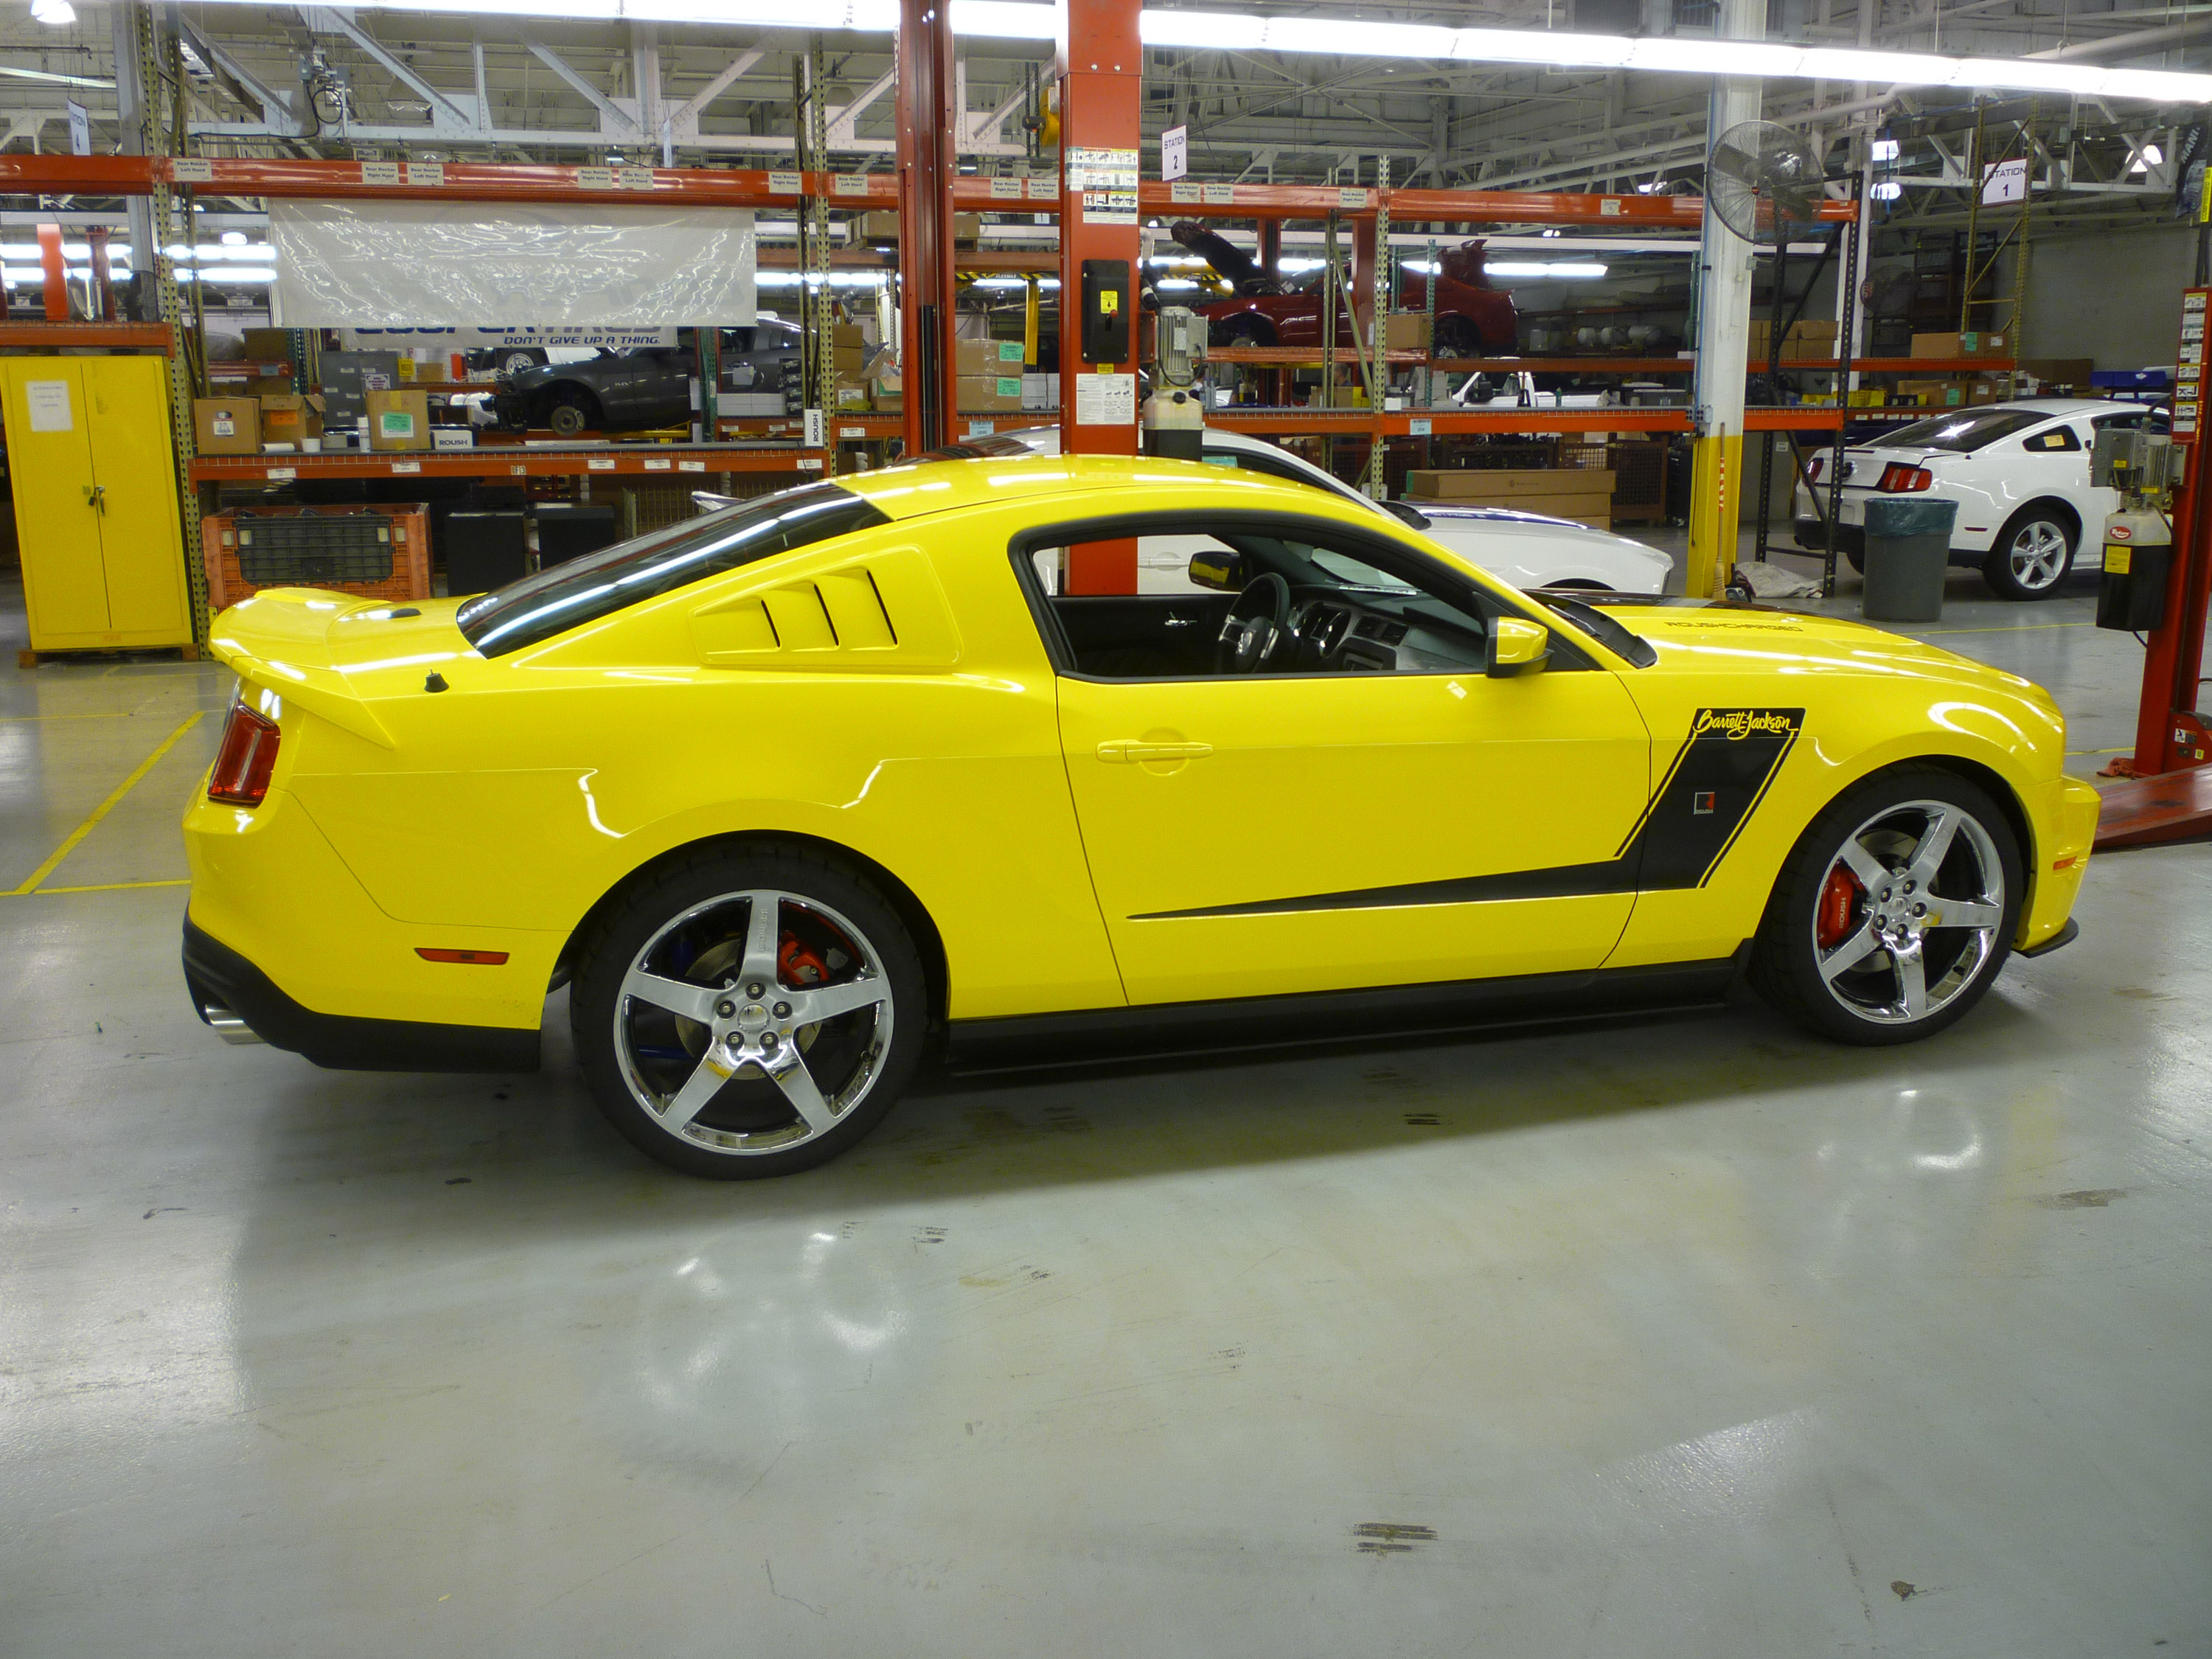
246,758
478,959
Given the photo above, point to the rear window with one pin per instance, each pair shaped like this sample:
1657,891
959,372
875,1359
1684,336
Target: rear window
615,578
1964,434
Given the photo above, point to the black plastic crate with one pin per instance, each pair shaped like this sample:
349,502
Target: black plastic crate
314,549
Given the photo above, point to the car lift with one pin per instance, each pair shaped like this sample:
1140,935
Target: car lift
2168,793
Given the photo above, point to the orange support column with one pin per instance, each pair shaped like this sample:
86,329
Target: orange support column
925,167
57,273
1101,68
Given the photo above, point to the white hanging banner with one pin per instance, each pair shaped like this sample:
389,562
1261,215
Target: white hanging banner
401,265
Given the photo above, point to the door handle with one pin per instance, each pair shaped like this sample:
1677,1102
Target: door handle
1129,750
95,496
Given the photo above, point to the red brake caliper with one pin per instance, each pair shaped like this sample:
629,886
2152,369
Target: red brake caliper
797,966
1839,907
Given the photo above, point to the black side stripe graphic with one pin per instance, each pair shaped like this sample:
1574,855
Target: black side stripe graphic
1713,785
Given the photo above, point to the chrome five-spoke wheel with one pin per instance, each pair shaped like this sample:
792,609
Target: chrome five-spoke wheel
1909,911
2034,553
735,1025
1895,910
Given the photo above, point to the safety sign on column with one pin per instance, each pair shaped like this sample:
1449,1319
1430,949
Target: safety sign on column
1106,179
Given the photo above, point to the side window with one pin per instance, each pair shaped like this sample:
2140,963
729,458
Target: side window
2058,439
2127,422
1311,604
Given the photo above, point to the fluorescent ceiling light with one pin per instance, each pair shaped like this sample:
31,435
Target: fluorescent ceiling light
1885,149
57,13
1547,268
1886,189
62,80
1339,35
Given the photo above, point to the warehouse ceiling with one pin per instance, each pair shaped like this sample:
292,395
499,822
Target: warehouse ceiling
340,81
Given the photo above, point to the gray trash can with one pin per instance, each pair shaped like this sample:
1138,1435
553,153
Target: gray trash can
1908,548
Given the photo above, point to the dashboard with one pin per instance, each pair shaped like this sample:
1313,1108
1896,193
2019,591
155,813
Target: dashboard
1376,633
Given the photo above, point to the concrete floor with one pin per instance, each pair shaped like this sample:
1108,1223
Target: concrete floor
1692,1338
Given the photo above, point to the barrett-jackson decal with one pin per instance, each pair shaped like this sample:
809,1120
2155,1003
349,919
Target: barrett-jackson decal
1714,783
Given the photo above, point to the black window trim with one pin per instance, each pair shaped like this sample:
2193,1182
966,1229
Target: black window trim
1567,653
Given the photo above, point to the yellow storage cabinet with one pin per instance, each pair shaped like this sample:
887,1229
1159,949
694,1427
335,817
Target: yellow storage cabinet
96,502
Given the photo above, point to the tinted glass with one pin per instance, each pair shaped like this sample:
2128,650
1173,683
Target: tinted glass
582,590
1963,434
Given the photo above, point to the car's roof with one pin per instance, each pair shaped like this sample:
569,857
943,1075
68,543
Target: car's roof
2056,406
906,492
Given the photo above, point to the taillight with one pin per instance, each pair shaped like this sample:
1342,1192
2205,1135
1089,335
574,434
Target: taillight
248,756
1898,479
1812,472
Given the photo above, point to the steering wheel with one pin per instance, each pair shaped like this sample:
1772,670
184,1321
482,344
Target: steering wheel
1257,622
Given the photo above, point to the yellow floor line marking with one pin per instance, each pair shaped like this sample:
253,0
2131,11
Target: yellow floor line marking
2022,628
105,808
108,887
22,719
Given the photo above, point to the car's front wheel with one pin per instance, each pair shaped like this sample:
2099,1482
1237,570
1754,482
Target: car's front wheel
2033,553
1895,911
570,413
748,1013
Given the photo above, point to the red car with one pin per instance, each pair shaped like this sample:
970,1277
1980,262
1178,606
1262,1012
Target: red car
1472,317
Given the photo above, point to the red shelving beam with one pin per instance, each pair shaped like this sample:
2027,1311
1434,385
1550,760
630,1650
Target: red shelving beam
674,463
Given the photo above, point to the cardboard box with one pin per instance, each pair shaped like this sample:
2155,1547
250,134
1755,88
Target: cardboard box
1971,344
227,425
268,345
1405,331
453,437
2070,373
1498,485
287,418
967,228
991,357
851,395
398,419
989,394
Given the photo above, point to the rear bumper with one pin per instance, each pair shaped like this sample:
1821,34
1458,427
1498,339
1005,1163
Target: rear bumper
222,981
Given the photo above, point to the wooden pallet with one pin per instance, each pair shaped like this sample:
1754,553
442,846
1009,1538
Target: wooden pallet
33,659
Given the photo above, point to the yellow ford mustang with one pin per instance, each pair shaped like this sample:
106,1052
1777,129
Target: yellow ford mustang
789,792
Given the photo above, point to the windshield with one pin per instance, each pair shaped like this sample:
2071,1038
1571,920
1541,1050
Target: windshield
1964,434
598,585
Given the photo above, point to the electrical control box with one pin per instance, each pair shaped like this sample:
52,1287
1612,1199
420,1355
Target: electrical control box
1107,311
2142,462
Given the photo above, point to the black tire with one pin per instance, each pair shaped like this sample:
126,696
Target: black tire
1243,331
687,929
2024,562
571,411
1850,1002
1457,337
1857,557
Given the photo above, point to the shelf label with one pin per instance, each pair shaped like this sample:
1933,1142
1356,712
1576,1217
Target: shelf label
810,463
380,173
850,184
595,177
427,172
1218,195
1420,426
278,474
690,466
1609,206
786,184
1045,189
1182,190
633,177
652,465
191,170
606,466
517,471
1351,198
1006,189
407,466
852,432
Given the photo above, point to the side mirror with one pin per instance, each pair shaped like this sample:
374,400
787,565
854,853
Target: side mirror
1405,513
1517,648
1220,569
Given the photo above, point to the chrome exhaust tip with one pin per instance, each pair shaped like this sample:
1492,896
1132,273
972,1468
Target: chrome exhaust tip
227,1024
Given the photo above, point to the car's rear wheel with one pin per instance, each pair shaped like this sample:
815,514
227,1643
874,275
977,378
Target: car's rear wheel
750,1013
571,413
2034,553
1895,911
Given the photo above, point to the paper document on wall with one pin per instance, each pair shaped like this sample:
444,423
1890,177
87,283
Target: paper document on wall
1105,399
50,405
391,265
